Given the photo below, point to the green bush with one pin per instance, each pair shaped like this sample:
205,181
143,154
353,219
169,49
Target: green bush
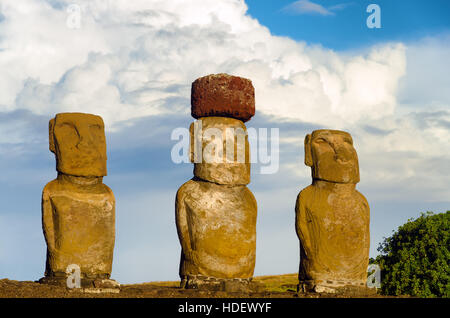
415,259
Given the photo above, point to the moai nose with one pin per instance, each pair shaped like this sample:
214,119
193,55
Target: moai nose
85,136
343,153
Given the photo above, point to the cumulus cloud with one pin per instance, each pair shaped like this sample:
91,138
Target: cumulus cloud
132,60
427,83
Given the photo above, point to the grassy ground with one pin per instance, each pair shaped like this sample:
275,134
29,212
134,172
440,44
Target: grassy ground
273,283
275,286
279,283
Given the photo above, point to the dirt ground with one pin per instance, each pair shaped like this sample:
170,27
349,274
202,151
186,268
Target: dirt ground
280,286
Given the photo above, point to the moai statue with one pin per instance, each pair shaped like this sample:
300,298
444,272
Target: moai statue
215,211
332,217
78,210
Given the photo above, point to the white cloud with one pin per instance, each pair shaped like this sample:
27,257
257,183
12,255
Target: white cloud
131,60
309,7
427,84
306,7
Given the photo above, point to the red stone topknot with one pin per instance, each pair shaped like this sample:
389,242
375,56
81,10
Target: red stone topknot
223,95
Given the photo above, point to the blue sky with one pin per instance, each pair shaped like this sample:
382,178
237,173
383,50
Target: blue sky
345,28
133,64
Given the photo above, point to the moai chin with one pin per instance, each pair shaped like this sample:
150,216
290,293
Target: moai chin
215,211
332,217
78,210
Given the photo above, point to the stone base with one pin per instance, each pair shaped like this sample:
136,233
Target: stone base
97,290
335,287
218,284
86,283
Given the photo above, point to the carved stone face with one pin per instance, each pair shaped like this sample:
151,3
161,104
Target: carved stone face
78,141
332,157
222,154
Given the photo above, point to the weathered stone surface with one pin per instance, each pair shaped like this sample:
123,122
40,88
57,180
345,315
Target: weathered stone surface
332,217
231,285
231,172
217,230
78,210
223,95
78,141
215,211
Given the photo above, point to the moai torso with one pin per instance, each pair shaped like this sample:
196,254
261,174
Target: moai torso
220,225
79,227
215,211
332,217
78,210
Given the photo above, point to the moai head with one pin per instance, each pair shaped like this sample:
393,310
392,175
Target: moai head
220,150
331,156
219,141
78,142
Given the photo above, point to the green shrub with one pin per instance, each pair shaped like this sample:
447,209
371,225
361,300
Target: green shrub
415,259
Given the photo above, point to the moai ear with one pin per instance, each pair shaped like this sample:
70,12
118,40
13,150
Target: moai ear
308,154
191,143
51,135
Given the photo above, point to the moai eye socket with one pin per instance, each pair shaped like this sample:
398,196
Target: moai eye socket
66,125
68,129
348,140
96,131
320,140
